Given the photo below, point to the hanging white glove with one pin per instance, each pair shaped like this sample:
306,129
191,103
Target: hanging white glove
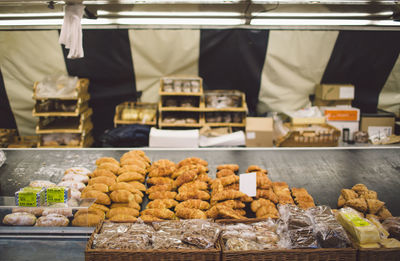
71,30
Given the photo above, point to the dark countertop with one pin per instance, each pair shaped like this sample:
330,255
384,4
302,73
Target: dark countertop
323,172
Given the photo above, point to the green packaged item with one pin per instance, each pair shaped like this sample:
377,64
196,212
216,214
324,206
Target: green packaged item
57,195
30,197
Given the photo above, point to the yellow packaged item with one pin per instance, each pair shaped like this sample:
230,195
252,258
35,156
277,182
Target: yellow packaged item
382,231
369,245
390,243
361,229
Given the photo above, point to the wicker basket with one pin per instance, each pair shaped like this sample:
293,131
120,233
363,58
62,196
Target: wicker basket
319,254
156,255
381,254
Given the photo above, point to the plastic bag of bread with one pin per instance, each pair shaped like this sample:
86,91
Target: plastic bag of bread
360,229
392,225
72,184
121,241
41,184
75,194
78,170
201,233
19,219
52,220
76,177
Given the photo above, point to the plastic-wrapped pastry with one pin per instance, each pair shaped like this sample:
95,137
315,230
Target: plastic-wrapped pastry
41,184
102,179
19,219
126,186
163,240
101,198
78,170
86,220
103,172
37,211
72,185
122,196
195,194
241,244
190,213
130,176
109,166
392,225
96,186
390,243
162,195
121,241
52,220
102,160
123,211
384,213
200,233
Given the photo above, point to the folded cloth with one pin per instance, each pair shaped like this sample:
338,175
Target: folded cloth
71,30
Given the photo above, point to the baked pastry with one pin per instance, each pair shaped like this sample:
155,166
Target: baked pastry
96,186
255,168
37,211
204,178
123,211
162,195
137,185
159,188
384,213
341,201
348,194
225,173
162,203
126,186
159,213
234,204
194,203
78,170
267,194
123,218
233,167
121,196
160,181
200,169
359,188
76,177
191,161
102,172
228,180
263,181
130,176
194,185
370,194
86,220
150,218
302,198
19,219
227,194
190,213
72,184
52,220
267,211
374,205
131,168
100,207
101,197
90,211
134,161
109,166
102,179
185,178
102,160
359,204
194,194
226,212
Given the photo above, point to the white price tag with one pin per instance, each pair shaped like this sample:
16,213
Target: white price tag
346,93
248,184
251,135
379,130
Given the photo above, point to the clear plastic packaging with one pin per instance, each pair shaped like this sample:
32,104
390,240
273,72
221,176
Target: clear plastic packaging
57,86
392,225
200,233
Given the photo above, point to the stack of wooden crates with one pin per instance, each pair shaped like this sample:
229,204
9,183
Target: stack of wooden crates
64,122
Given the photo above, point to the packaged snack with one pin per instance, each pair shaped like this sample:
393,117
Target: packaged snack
361,229
57,195
30,197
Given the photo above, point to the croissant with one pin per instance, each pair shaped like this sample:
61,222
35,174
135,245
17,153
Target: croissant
159,213
123,218
185,178
139,153
101,198
102,160
190,213
162,171
200,169
162,195
204,178
97,186
102,172
159,188
130,204
195,194
263,181
126,186
267,211
102,179
228,213
225,181
194,203
225,173
162,203
235,204
131,168
137,185
212,212
246,198
123,211
130,176
122,196
109,166
233,167
193,185
191,161
94,211
234,186
160,181
101,207
255,168
150,218
126,157
302,198
227,194
256,204
267,194
216,186
86,220
162,163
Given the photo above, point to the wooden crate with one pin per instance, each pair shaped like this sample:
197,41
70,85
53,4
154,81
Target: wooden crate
234,93
81,90
24,142
150,255
82,104
198,124
65,125
308,137
380,254
7,136
134,105
241,124
162,92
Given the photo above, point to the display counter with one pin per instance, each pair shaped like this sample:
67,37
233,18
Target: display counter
323,172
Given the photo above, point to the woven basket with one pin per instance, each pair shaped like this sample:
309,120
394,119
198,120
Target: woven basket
381,254
156,255
319,254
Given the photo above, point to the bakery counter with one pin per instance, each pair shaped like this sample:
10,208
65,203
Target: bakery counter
322,171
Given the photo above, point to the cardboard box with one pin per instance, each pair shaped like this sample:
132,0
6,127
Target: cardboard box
374,123
259,132
174,138
353,126
331,103
341,113
335,92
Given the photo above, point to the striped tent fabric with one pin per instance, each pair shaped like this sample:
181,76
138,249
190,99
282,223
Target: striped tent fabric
277,69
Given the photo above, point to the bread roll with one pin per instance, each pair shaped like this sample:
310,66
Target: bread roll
122,196
102,179
52,220
101,198
86,220
19,219
72,184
